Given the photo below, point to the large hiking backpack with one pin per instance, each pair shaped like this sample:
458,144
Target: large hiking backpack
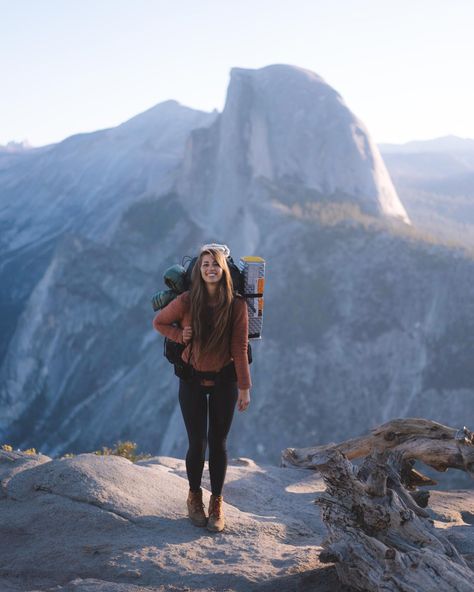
178,280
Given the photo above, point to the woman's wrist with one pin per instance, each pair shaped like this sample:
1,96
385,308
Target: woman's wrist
243,399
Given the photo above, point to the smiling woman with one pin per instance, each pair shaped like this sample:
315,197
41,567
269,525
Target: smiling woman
213,325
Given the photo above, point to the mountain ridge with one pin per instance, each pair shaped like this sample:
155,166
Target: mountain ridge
450,143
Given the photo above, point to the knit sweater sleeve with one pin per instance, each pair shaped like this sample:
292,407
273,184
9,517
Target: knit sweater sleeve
239,343
172,313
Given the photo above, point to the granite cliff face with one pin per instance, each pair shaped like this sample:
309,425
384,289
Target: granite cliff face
286,127
364,320
77,251
81,186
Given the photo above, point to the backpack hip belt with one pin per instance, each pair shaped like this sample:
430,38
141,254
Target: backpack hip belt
188,372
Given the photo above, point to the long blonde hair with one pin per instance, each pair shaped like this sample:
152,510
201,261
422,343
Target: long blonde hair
211,332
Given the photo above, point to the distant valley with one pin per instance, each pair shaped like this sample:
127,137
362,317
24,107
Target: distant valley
435,181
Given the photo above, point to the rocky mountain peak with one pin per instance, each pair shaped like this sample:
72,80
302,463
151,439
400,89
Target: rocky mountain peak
285,125
165,114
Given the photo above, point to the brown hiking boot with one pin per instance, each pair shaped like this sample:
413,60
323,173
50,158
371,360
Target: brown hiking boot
196,508
216,521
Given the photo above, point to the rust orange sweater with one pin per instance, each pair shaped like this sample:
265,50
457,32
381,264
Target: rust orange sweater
179,311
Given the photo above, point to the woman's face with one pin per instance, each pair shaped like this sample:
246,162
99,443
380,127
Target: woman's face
211,273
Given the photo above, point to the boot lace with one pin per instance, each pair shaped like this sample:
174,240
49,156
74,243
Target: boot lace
216,507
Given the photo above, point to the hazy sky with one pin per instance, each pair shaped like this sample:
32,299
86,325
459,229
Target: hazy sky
67,66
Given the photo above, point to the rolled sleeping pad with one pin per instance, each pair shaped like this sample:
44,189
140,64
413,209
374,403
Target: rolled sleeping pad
162,298
253,271
174,278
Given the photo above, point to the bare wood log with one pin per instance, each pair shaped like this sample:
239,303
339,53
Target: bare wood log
432,443
389,466
377,541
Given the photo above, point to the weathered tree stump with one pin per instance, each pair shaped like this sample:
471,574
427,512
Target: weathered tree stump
380,539
432,443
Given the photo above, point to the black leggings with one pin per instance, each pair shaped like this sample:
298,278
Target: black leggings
194,406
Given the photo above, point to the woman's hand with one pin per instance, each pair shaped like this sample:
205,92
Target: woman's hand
244,399
187,334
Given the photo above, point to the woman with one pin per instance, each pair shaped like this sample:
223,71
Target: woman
213,325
